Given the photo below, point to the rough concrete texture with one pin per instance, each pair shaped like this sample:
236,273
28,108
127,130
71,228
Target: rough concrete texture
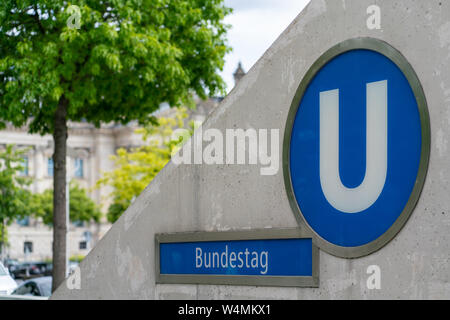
220,197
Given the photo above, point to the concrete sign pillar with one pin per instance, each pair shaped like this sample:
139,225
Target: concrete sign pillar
307,146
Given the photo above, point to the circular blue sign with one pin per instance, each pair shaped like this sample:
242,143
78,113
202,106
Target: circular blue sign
358,141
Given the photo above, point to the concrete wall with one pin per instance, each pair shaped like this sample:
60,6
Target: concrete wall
216,198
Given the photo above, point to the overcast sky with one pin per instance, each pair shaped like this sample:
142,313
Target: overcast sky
256,24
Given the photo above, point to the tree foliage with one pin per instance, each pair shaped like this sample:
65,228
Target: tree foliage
136,168
14,196
125,60
82,207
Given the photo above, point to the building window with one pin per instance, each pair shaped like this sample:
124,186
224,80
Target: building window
50,167
25,222
79,168
28,247
83,245
24,165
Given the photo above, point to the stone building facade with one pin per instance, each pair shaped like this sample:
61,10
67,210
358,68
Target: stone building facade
89,151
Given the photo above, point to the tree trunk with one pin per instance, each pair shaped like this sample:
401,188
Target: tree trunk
60,134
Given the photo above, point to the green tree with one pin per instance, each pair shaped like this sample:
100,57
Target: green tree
14,197
105,61
81,207
136,168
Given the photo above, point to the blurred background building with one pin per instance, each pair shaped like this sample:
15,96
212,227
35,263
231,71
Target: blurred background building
89,152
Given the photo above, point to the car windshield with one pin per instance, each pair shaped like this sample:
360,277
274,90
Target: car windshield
3,271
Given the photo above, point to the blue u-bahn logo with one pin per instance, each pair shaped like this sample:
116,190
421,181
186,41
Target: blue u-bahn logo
358,149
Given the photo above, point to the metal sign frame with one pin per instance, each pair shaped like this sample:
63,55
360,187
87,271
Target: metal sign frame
269,234
400,61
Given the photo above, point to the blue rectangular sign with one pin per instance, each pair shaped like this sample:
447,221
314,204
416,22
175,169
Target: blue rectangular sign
271,257
274,257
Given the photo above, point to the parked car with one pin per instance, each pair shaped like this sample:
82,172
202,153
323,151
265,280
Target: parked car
45,268
25,271
7,284
37,287
10,264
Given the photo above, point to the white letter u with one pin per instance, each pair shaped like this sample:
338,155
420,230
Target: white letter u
360,198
